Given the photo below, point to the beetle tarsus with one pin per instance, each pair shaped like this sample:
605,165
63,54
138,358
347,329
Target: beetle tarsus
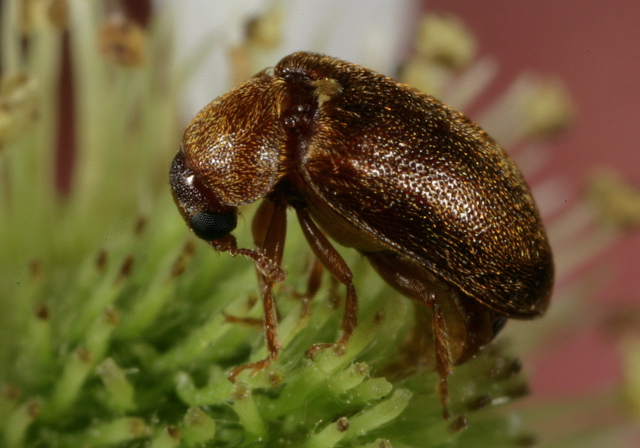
271,336
255,367
266,266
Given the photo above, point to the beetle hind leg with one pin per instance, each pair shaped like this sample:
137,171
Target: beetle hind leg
443,357
449,335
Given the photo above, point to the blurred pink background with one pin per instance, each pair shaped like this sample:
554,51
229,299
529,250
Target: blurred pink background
594,47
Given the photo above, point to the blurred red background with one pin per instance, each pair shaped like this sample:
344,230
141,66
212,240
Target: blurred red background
594,47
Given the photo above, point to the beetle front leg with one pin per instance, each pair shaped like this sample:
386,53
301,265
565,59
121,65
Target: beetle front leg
269,231
337,267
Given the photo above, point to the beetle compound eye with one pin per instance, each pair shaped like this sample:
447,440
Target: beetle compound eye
211,226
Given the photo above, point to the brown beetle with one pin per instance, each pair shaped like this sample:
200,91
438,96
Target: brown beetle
437,207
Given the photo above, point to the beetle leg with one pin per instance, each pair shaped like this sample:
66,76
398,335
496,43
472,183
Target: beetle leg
265,266
314,281
272,216
269,229
411,280
314,278
337,267
273,247
443,357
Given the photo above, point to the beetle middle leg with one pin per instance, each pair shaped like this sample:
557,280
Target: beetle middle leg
337,267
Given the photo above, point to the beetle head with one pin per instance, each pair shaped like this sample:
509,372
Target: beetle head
230,156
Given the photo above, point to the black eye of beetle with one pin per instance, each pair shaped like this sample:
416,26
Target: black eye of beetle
211,226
